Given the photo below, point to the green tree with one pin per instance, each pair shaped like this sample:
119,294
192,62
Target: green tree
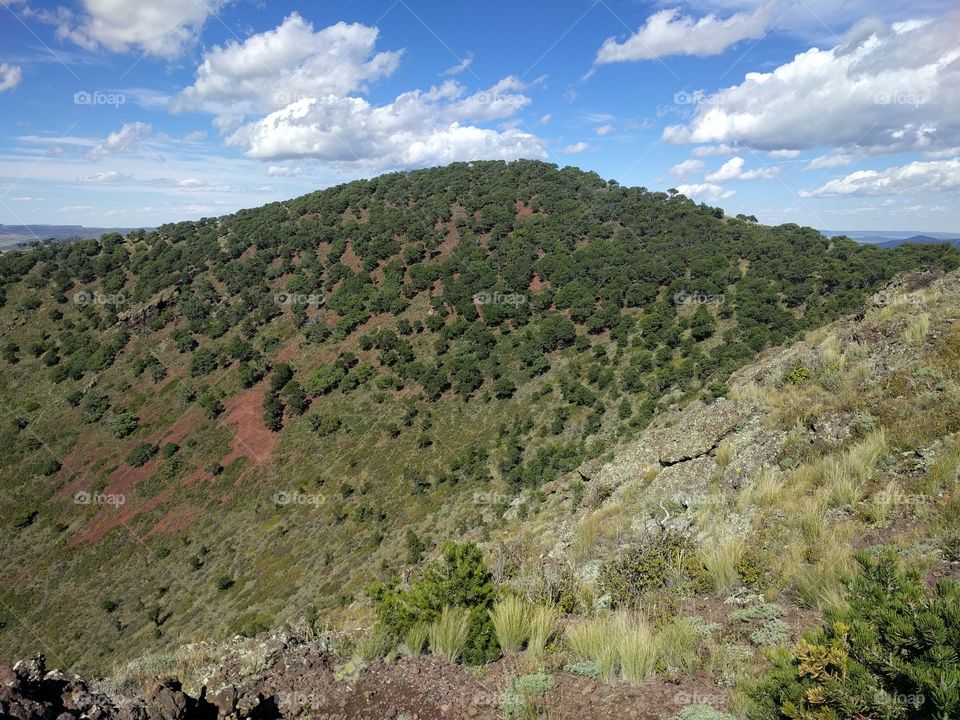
124,424
272,412
295,397
893,653
203,362
459,578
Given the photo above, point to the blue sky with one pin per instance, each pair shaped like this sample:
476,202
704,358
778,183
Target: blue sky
121,113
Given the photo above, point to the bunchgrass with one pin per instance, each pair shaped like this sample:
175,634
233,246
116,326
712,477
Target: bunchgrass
370,646
637,648
415,638
511,623
543,624
595,640
449,633
724,454
720,559
677,643
820,584
917,329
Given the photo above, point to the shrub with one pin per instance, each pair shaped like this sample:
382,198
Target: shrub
458,579
124,424
504,388
774,632
272,412
753,568
203,362
295,397
49,467
95,407
323,379
210,401
586,668
511,622
141,454
224,582
647,566
891,653
282,374
450,633
324,423
797,375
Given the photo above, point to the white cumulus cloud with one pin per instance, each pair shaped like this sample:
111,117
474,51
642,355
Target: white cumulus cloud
10,76
283,171
733,170
705,192
109,176
828,161
575,148
458,68
416,129
163,29
711,150
687,168
917,177
273,69
294,92
667,32
888,89
128,137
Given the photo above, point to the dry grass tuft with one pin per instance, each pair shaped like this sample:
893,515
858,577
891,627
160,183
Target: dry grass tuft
449,634
511,622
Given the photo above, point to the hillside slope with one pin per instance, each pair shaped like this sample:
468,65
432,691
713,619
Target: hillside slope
845,440
218,427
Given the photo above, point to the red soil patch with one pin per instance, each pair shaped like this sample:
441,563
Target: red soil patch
290,349
178,518
250,437
123,481
175,521
350,259
110,517
537,284
79,462
450,241
523,210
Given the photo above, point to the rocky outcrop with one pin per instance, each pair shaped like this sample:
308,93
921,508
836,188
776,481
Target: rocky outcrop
140,314
29,692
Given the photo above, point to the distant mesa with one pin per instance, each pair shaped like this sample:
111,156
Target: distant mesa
896,238
14,236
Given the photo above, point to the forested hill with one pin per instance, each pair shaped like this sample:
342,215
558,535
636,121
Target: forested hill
217,424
